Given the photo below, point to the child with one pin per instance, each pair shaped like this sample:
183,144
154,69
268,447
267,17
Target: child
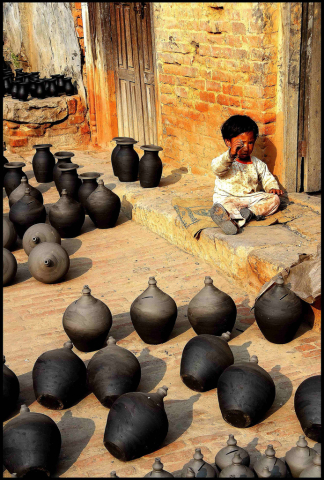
236,197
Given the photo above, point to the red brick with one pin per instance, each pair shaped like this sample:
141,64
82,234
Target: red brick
207,97
180,70
79,22
167,79
32,125
190,82
64,131
270,80
238,28
234,90
205,50
75,119
234,41
167,99
269,92
222,52
79,31
72,105
252,91
228,101
221,76
269,129
303,348
213,86
76,13
81,43
18,142
181,92
313,354
60,125
12,125
202,107
77,5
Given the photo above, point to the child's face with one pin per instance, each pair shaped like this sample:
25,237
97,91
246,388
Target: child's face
248,140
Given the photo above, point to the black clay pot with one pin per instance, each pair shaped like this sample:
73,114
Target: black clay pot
300,457
308,407
31,445
23,91
225,456
276,467
204,358
39,233
26,212
48,262
60,84
67,216
153,314
116,150
40,89
9,267
52,88
278,313
199,466
59,378
128,161
43,163
69,179
103,206
20,191
136,425
157,470
46,85
68,87
245,393
89,185
150,166
19,70
11,391
112,372
62,157
211,311
237,469
87,322
13,176
33,88
14,89
9,233
7,85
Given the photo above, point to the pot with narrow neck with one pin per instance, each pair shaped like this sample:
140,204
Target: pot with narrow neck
307,404
19,192
89,185
23,91
62,157
150,166
276,466
69,179
237,469
158,471
43,163
67,216
299,457
60,84
103,206
68,87
26,212
52,88
48,262
128,161
116,150
10,392
39,233
199,466
13,176
10,266
9,233
225,456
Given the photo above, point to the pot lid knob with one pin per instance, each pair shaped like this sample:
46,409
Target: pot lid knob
226,336
208,281
68,344
24,180
27,191
64,191
163,391
280,280
100,181
302,442
270,452
24,408
254,359
152,281
198,455
231,440
237,460
113,474
111,341
157,465
86,290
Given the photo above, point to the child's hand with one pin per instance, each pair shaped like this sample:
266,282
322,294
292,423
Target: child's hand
277,192
237,145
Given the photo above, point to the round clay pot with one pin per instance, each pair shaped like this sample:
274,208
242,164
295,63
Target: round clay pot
43,163
245,393
13,176
204,358
237,469
313,470
9,233
128,161
26,212
46,86
190,473
40,89
68,87
112,372
60,84
136,425
199,466
19,192
69,179
211,311
31,444
48,262
115,151
52,88
39,233
62,157
153,314
278,313
23,91
299,457
7,85
9,267
14,89
89,185
225,456
276,467
103,206
157,470
150,167
33,88
308,407
59,378
67,216
11,391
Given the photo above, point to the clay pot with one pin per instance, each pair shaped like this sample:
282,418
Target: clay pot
190,473
62,157
7,85
69,179
23,91
103,206
60,84
52,88
40,89
39,233
200,467
153,314
113,474
11,391
245,393
26,212
9,267
48,262
67,216
278,313
225,456
33,88
43,163
275,466
136,425
14,89
31,444
13,176
46,86
211,311
68,87
9,233
157,470
87,322
128,161
20,191
89,185
59,378
112,372
150,166
308,407
299,457
237,469
204,358
115,151
313,470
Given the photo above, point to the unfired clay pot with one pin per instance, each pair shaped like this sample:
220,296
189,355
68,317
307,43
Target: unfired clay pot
9,267
39,233
225,456
19,192
9,233
237,469
48,262
199,466
299,457
26,212
314,470
157,470
308,398
10,391
276,466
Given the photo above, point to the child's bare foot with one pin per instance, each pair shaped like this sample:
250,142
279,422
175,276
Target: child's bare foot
223,220
247,214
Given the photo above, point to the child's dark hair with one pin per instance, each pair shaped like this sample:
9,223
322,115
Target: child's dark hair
238,124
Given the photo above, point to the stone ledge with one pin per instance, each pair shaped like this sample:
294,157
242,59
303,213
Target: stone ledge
35,111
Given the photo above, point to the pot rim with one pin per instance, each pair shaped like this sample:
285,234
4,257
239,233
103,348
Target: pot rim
68,166
14,164
121,139
151,148
64,154
44,145
67,78
55,74
89,175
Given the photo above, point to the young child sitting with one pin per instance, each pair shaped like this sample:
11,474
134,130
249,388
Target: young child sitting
237,198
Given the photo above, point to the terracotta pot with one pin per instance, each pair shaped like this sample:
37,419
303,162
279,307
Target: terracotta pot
157,470
67,216
150,166
308,407
276,467
225,456
52,88
153,314
116,150
23,91
89,185
128,161
237,469
11,391
69,179
48,262
112,372
299,457
43,163
9,233
9,267
31,444
59,378
245,393
199,466
204,358
26,212
20,191
103,206
68,87
39,233
13,176
211,311
62,157
313,470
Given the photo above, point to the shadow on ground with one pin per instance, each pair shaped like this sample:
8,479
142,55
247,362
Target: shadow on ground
153,370
45,187
26,395
240,352
180,415
71,245
22,274
182,323
175,177
122,326
78,267
284,389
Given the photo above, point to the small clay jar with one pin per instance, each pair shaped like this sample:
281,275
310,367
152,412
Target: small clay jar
115,151
153,314
62,157
113,474
60,84
9,233
211,311
67,216
33,87
39,233
204,358
278,313
69,179
9,267
200,467
52,88
112,372
26,212
59,378
225,456
20,191
299,457
245,393
46,86
48,262
40,89
314,469
308,407
68,87
31,444
11,391
157,470
128,161
43,163
23,92
14,89
150,166
276,466
89,185
237,469
87,322
103,206
7,84
13,176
